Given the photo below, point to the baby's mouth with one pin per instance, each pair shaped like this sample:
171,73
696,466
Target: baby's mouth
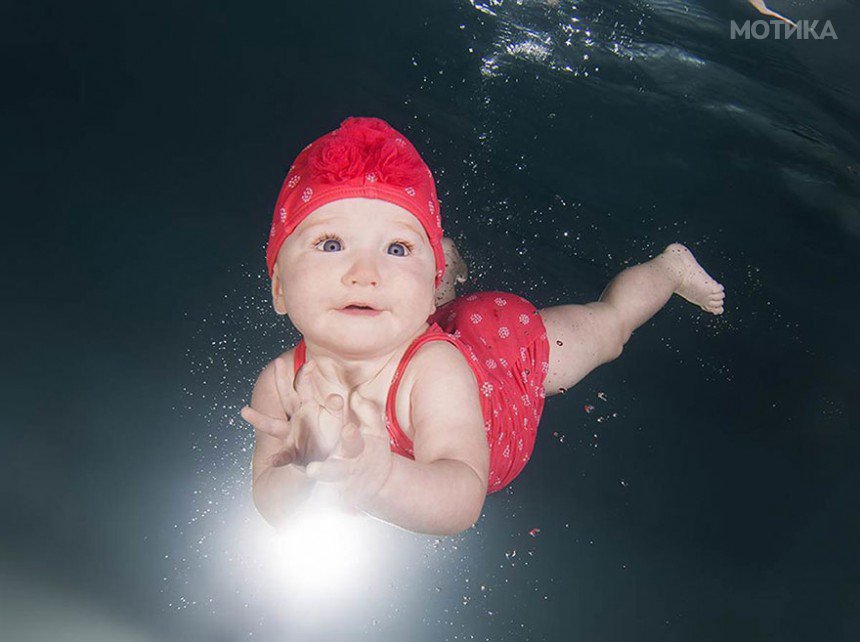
360,308
359,305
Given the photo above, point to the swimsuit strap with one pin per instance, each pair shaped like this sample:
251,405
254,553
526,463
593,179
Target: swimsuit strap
400,443
299,357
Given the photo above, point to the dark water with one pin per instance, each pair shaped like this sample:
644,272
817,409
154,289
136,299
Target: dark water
710,495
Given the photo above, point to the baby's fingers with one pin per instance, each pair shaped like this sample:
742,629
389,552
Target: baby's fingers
334,403
335,407
330,470
269,425
369,414
303,383
282,384
351,442
284,457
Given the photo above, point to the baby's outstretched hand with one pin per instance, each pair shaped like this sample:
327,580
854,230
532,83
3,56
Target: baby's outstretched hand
362,460
311,429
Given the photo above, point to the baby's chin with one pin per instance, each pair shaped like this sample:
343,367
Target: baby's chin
359,342
357,350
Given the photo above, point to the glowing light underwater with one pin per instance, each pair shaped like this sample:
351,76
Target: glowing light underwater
323,552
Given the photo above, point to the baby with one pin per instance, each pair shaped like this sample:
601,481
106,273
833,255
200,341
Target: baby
401,400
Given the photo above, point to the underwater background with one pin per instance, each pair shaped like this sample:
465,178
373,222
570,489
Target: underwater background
704,486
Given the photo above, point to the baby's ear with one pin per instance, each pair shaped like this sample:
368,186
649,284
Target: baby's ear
278,293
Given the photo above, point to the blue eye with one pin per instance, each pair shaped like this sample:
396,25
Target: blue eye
399,249
329,244
333,243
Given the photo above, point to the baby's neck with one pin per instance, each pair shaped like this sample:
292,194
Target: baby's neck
351,374
363,373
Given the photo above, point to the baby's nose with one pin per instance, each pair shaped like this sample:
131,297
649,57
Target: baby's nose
362,272
359,280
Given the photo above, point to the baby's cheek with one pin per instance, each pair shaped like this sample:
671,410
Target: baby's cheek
422,292
298,304
299,301
422,275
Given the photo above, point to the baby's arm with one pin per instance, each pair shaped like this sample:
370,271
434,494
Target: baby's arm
442,491
277,490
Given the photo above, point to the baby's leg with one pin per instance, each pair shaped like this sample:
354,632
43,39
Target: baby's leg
582,337
455,272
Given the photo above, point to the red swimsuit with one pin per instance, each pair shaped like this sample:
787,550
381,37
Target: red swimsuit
504,341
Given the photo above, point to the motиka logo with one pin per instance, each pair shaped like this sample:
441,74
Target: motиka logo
780,27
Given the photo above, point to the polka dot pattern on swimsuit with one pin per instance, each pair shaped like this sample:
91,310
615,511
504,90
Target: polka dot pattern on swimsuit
510,368
506,337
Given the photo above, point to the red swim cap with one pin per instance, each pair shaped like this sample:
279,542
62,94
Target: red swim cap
365,157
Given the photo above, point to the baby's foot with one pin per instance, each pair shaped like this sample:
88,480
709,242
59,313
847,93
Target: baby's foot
454,263
696,286
455,272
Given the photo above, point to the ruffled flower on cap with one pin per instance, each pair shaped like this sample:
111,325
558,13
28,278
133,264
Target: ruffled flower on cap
337,161
362,147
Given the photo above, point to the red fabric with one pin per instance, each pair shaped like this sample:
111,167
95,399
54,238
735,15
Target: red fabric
504,341
365,157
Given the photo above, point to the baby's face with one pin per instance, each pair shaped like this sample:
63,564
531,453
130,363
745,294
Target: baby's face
356,251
